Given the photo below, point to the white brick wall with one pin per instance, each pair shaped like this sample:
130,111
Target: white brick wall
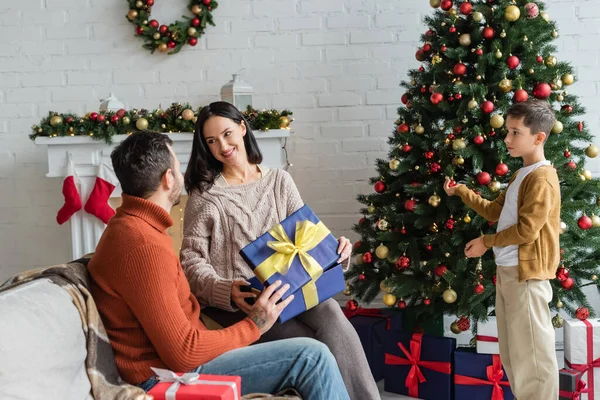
336,63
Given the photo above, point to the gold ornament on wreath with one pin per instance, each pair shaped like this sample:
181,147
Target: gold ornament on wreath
170,38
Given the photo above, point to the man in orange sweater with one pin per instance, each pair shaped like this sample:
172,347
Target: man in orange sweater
152,318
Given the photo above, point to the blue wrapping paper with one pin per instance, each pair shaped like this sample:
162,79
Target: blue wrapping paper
467,362
328,285
371,331
325,253
437,385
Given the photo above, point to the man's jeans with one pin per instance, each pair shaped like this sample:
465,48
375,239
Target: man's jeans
301,363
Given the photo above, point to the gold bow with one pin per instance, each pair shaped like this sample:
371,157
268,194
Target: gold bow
308,236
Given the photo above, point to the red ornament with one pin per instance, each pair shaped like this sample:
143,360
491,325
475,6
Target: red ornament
562,274
100,118
357,244
429,154
153,24
362,277
429,33
568,283
466,8
520,96
567,154
582,313
452,29
451,136
484,178
487,107
494,280
479,51
440,270
479,288
446,5
68,120
567,109
450,224
403,128
501,169
464,324
415,184
195,22
114,119
362,221
452,183
404,98
403,263
513,62
409,205
427,301
580,126
406,148
584,222
402,304
571,165
420,55
139,30
492,133
435,167
443,48
163,29
150,2
424,89
458,96
490,223
488,33
206,2
540,59
192,41
352,305
93,116
460,69
458,129
121,113
478,139
451,98
429,247
380,187
403,231
542,91
171,44
436,98
367,257
426,47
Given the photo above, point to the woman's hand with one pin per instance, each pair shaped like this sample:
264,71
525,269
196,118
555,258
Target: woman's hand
450,187
237,296
344,249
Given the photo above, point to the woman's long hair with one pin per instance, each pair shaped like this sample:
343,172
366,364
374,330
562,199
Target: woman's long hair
203,167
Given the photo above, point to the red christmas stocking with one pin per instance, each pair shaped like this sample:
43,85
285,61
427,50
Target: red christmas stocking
72,198
97,203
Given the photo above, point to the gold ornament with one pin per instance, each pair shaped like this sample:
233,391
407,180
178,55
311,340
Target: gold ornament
371,209
498,54
382,251
192,31
434,228
591,151
434,200
162,47
284,122
545,16
587,174
359,259
563,227
582,177
477,16
558,321
497,121
436,59
551,61
505,85
525,38
139,4
568,79
454,328
389,299
156,35
125,120
383,225
458,144
559,304
196,9
560,97
554,34
478,77
595,221
556,83
383,287
458,160
394,164
467,219
132,14
449,296
494,186
419,129
187,114
435,3
531,71
347,291
472,104
594,278
141,124
452,12
56,121
557,128
512,13
464,39
503,34
163,126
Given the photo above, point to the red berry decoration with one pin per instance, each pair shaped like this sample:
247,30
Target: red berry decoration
478,139
100,118
580,126
403,128
488,33
192,41
582,313
494,280
568,283
458,96
195,22
501,169
584,222
367,257
436,98
479,288
542,91
440,270
520,96
153,24
513,62
352,305
429,154
460,69
403,262
380,187
362,277
484,178
435,168
404,98
409,205
487,107
114,119
402,304
427,301
466,8
450,224
406,148
139,30
464,324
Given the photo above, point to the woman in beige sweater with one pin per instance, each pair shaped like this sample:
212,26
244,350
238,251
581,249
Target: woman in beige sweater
233,200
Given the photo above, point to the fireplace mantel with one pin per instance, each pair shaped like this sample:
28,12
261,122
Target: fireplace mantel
88,154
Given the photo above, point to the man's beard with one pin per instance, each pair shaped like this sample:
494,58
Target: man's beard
175,195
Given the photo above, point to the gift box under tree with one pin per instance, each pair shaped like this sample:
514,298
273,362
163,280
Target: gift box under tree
487,336
480,376
418,365
582,353
570,384
192,386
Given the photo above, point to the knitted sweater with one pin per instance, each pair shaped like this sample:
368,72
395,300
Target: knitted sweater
144,299
224,219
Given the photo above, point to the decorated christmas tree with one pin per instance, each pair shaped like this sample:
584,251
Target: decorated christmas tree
477,59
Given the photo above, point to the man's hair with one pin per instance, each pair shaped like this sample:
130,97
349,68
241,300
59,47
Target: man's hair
140,162
537,115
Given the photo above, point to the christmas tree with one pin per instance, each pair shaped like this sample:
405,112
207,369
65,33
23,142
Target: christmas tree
477,58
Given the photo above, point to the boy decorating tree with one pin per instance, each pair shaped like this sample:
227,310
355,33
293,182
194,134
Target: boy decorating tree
526,250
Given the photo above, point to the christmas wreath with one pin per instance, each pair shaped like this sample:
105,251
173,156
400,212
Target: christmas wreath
170,38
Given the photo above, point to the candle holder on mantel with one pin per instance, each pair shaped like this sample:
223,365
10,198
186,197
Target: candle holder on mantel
111,103
237,92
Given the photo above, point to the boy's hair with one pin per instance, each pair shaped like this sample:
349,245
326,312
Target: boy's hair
537,115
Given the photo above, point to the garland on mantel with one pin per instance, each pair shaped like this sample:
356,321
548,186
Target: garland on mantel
177,118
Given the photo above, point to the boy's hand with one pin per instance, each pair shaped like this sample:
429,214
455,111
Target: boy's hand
475,248
450,186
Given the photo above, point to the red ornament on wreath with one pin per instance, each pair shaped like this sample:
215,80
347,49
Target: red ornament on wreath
520,96
153,24
487,107
192,41
501,169
460,69
409,205
352,305
436,98
466,8
488,33
150,2
101,118
542,91
513,62
380,187
163,29
582,313
484,178
464,324
114,119
584,222
568,283
367,257
139,30
403,263
93,116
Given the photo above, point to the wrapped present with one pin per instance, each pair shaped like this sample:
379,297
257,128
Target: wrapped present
480,376
296,251
418,366
190,386
571,386
370,325
487,336
328,285
582,353
395,318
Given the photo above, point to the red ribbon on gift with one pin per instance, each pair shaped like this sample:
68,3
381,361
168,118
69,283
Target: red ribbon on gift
494,374
367,312
591,364
413,357
578,391
482,338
